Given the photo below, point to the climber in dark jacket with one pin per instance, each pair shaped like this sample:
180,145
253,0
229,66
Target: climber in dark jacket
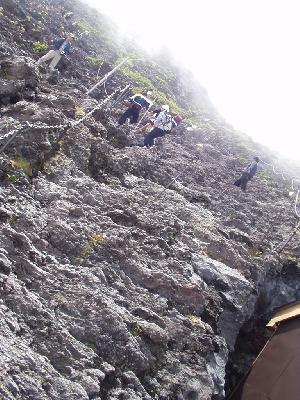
136,103
247,174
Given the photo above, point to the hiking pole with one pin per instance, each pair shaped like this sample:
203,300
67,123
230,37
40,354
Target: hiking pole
104,79
121,95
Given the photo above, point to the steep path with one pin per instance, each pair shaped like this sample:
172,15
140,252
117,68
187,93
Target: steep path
117,281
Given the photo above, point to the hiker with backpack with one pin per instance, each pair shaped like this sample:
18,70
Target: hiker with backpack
61,48
247,174
163,124
135,104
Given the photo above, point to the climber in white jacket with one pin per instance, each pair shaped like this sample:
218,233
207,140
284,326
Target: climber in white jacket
162,125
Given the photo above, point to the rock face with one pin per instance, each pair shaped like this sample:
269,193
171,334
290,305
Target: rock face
124,273
18,80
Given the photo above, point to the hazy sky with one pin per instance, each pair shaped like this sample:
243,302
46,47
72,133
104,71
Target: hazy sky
244,52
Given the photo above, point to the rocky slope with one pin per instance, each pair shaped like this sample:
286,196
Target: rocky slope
126,273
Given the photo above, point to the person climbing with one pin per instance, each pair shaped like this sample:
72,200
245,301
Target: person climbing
136,104
247,174
162,124
176,120
61,48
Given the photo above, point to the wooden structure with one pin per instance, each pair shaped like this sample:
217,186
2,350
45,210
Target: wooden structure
275,374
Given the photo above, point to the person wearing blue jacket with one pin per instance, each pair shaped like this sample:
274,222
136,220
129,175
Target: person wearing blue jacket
247,174
61,48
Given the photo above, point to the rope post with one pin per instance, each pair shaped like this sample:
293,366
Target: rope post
121,95
104,79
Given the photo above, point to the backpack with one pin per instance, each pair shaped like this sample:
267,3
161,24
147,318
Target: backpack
167,123
178,118
140,100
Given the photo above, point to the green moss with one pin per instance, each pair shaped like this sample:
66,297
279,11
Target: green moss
94,239
243,160
91,346
13,179
79,112
94,60
144,83
85,26
136,329
24,165
264,175
290,255
195,119
256,251
1,11
39,46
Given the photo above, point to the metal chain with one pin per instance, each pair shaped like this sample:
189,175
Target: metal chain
40,125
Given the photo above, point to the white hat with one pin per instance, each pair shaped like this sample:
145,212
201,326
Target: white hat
165,107
149,93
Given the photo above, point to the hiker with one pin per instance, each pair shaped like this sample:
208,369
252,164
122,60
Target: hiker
247,174
61,48
162,124
150,121
136,103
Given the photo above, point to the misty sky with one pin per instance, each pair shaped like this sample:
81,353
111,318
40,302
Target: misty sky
244,52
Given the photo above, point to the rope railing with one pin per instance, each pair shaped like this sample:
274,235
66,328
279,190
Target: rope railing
40,125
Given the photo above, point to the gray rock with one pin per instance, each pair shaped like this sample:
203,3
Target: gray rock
5,265
126,273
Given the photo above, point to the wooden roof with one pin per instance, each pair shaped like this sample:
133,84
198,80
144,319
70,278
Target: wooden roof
284,313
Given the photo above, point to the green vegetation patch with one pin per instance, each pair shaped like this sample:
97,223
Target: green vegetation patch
13,179
79,112
39,46
243,160
94,60
144,83
24,165
264,175
136,329
91,346
85,26
87,248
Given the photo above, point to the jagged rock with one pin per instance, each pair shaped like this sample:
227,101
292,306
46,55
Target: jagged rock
53,77
18,80
126,272
19,68
236,295
10,92
62,389
5,265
